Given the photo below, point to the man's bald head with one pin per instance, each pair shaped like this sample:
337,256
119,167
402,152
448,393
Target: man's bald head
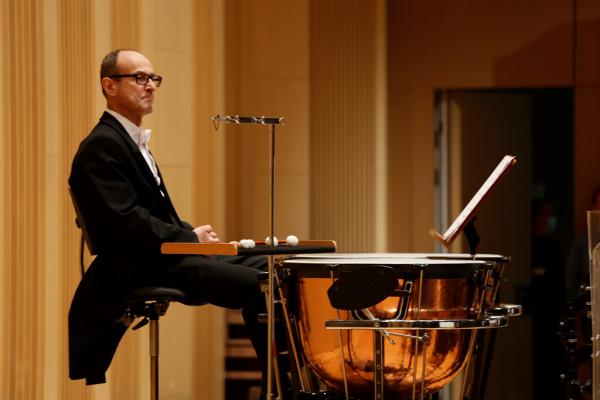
109,65
128,84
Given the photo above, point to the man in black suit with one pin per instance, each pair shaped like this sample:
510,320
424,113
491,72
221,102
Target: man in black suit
128,215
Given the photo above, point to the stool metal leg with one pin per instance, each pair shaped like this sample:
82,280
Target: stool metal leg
154,359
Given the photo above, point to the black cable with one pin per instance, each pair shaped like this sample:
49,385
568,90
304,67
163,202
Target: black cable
81,257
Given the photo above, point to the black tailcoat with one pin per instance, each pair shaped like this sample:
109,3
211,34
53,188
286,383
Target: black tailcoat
127,216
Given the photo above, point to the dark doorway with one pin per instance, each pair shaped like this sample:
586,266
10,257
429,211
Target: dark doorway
528,216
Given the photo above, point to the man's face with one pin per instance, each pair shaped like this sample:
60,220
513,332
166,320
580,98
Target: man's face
125,95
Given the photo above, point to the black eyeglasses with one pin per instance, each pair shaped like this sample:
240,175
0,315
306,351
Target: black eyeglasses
141,78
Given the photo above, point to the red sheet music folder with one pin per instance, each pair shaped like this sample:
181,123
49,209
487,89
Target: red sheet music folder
465,216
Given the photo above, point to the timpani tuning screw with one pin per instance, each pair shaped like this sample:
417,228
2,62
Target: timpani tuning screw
425,338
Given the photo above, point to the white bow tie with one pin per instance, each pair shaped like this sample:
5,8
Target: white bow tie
145,135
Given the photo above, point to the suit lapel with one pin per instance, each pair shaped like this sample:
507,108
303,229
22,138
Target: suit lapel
143,165
167,198
137,154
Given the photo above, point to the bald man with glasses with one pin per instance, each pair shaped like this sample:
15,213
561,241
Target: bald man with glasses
129,214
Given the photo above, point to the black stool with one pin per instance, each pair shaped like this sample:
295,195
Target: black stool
151,303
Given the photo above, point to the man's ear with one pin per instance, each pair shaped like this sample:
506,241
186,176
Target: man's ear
109,86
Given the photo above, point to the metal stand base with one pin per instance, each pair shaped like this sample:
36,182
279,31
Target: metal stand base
154,359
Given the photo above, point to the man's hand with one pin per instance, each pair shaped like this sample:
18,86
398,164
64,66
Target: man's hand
206,234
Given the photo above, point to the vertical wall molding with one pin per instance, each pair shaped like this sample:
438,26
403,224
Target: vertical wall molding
342,122
23,223
126,23
209,59
3,191
75,108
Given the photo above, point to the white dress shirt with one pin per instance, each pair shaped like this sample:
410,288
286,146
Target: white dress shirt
141,137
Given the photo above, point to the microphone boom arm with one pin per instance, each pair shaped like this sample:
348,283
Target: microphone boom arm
237,119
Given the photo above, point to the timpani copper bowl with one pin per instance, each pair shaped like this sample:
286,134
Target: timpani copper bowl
429,320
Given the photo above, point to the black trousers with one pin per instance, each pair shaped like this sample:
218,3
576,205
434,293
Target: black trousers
230,282
225,281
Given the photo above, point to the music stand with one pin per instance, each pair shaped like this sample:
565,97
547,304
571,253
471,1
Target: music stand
466,218
465,222
272,121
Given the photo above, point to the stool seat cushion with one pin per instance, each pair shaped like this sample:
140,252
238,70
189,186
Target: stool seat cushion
162,294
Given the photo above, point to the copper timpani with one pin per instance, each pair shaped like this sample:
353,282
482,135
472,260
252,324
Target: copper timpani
426,327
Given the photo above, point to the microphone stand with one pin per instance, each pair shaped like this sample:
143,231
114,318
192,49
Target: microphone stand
272,121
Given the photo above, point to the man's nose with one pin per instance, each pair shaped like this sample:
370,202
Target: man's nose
150,85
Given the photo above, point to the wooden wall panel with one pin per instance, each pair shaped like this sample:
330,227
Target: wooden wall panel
342,126
125,21
75,110
23,153
267,69
54,327
3,176
587,38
